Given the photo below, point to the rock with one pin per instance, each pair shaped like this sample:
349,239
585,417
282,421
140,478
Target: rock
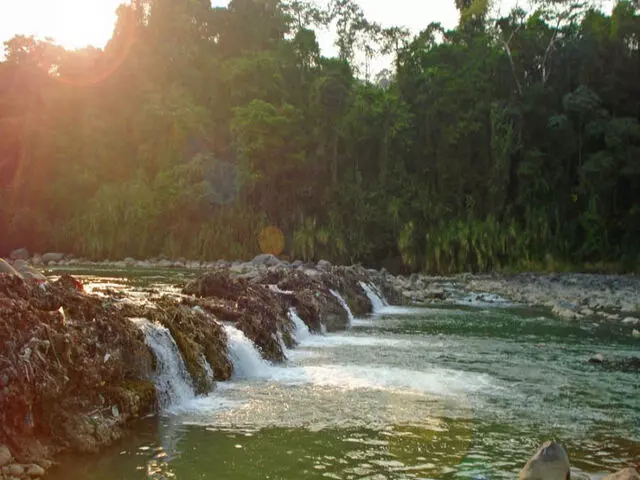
13,470
164,263
631,321
635,333
19,254
586,312
36,259
35,471
266,259
130,262
5,455
550,463
626,474
52,257
323,265
567,313
6,268
598,358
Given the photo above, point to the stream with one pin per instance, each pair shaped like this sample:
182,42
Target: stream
406,393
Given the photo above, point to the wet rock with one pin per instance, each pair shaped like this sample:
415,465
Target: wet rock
13,470
631,321
130,262
598,358
625,474
635,333
628,364
36,259
565,312
551,462
35,471
5,455
52,257
19,254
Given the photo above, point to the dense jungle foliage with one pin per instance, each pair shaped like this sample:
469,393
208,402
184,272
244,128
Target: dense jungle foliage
505,142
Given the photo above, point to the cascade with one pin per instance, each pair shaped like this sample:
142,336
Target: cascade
376,299
302,331
173,382
344,304
244,355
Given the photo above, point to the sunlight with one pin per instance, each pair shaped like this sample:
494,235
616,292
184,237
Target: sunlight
70,23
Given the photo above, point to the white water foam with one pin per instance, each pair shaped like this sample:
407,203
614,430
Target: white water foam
437,381
377,301
244,355
302,331
173,382
344,304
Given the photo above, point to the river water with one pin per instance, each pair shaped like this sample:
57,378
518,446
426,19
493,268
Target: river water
406,393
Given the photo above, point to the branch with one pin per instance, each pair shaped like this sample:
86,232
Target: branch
511,62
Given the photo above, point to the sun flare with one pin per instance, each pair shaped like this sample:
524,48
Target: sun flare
72,24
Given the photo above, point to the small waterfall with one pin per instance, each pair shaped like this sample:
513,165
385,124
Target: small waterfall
302,331
344,304
173,382
245,357
376,299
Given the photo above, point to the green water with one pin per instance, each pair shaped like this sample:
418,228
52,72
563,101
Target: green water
423,393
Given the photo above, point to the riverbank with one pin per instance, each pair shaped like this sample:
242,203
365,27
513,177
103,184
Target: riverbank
81,365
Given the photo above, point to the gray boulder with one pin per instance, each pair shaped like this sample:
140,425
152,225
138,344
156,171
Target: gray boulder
626,474
266,259
19,254
551,462
130,262
52,257
323,265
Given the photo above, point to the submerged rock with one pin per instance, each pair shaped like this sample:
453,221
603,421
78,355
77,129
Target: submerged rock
551,462
625,474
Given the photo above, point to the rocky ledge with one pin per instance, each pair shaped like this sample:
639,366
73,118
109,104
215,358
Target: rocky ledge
76,368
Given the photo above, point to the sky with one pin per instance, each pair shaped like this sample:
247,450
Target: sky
78,23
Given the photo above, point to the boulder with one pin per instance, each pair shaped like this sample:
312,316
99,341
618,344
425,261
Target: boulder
52,257
598,358
635,333
266,259
35,471
29,273
626,474
36,259
323,265
130,262
631,321
19,254
5,455
551,462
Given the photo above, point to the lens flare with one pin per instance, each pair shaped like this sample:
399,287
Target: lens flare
271,240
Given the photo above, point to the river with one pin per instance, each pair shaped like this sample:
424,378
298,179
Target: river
430,393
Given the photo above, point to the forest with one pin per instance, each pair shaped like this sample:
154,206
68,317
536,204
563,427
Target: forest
508,142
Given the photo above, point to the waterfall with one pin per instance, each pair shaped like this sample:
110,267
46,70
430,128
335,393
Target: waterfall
245,357
173,382
377,301
302,331
344,304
